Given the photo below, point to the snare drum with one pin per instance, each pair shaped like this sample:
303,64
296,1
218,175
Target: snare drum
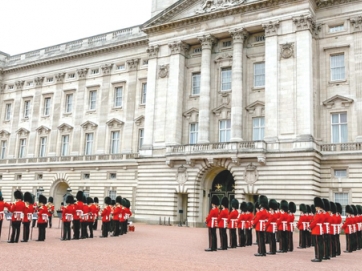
35,216
8,216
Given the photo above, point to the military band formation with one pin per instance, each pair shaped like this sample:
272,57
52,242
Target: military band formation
319,225
81,214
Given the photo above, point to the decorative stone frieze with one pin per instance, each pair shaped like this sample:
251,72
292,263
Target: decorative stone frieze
286,50
153,51
82,73
251,108
59,77
304,22
239,35
207,41
2,87
19,85
181,175
107,68
251,174
223,110
178,47
191,114
133,64
163,71
38,81
139,120
223,57
356,23
271,28
337,99
211,6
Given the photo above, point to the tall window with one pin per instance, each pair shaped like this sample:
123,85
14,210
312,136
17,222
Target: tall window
7,111
65,145
22,147
3,149
42,146
258,128
112,194
339,128
46,111
341,198
118,96
196,83
92,99
224,130
26,109
337,67
140,138
144,93
69,103
194,131
88,144
225,79
259,74
114,142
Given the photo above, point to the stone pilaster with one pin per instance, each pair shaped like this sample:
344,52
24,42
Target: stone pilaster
175,93
238,36
207,41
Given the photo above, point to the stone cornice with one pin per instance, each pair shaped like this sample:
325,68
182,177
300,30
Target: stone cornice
329,3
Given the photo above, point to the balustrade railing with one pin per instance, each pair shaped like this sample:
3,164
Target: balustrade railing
336,147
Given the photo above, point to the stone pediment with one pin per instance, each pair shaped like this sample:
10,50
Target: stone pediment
189,113
115,123
139,120
224,108
65,127
251,107
88,125
22,132
337,99
43,129
4,134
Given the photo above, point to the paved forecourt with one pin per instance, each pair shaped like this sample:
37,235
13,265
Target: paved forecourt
153,247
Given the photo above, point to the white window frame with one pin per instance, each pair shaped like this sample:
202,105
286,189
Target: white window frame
26,109
92,100
344,200
114,147
69,97
224,130
259,74
112,194
336,28
195,83
7,111
88,144
193,132
226,79
141,135
42,146
64,147
143,93
22,148
118,97
47,106
258,128
337,68
340,173
340,125
3,147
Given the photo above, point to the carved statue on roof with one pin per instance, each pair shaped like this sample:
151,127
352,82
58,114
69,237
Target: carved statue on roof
214,5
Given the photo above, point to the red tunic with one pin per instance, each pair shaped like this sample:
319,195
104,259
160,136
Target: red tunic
283,221
232,219
106,214
68,213
43,210
127,212
242,221
303,222
260,219
271,225
291,222
85,216
222,218
17,209
249,219
317,224
116,212
93,210
78,207
211,219
28,213
348,225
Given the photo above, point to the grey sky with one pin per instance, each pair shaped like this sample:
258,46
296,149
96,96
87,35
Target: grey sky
27,25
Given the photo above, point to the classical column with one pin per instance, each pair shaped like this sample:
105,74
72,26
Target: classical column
357,41
304,52
271,81
237,85
175,92
150,99
207,42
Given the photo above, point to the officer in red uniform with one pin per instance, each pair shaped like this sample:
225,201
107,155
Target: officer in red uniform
232,222
106,217
259,222
242,224
117,210
291,210
84,219
93,210
96,203
271,226
316,227
334,228
249,219
283,227
339,222
28,214
211,222
17,209
127,214
42,218
67,216
326,229
222,223
348,228
303,225
78,215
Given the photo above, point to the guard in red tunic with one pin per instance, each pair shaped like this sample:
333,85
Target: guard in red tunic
249,219
303,225
84,219
42,218
78,215
242,224
117,210
308,233
354,233
17,209
334,227
232,222
28,214
211,222
67,216
348,228
339,222
96,203
222,223
271,226
127,214
259,222
326,230
316,227
283,227
92,213
50,207
122,217
291,210
106,217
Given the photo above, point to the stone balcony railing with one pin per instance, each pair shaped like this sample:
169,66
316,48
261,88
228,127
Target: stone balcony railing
341,147
77,158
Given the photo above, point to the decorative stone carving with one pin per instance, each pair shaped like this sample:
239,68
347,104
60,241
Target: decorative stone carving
251,174
38,81
65,128
170,163
115,123
216,5
239,35
343,101
286,50
223,110
133,63
224,57
190,162
19,84
207,41
42,130
236,161
107,68
82,73
356,23
2,87
4,134
59,77
192,114
88,125
271,29
304,22
251,108
153,51
139,120
163,71
22,132
178,47
262,159
181,175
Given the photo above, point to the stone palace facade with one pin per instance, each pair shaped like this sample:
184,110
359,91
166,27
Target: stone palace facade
229,97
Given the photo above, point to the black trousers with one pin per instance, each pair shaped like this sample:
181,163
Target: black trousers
242,238
223,238
76,225
15,233
33,223
125,226
50,218
41,232
105,229
272,243
261,242
95,224
1,226
283,241
327,245
249,237
233,242
66,231
359,245
116,228
290,241
84,233
338,245
308,239
333,246
212,239
318,246
90,226
26,231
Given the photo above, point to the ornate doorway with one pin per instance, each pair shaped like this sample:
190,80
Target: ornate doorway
223,186
59,191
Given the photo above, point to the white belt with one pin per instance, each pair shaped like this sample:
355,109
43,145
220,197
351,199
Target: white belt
234,223
285,225
34,216
18,215
354,227
79,212
44,217
274,227
68,217
350,228
359,226
262,225
327,227
320,228
213,222
305,226
291,226
336,229
225,222
243,224
126,216
85,217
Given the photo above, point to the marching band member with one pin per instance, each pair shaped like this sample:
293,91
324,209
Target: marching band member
35,208
78,214
18,213
348,228
84,219
339,222
28,215
42,218
106,216
291,210
211,222
67,217
93,210
96,203
259,223
222,223
249,218
283,227
303,225
242,224
50,207
316,226
127,214
271,226
116,213
232,222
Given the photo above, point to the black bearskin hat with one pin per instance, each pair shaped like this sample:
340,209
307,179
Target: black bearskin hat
309,209
113,202
50,199
69,199
359,209
250,207
62,204
318,202
292,208
349,210
327,205
127,203
284,205
278,205
1,196
123,202
256,205
273,204
313,209
89,200
28,197
42,199
234,204
79,196
303,208
354,209
225,202
243,206
107,200
339,208
119,200
263,201
215,200
18,195
333,207
96,200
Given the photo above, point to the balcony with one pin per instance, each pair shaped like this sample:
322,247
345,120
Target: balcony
341,147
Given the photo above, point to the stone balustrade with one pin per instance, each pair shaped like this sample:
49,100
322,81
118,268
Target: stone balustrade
353,146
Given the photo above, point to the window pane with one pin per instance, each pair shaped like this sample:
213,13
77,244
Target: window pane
340,173
114,142
259,74
42,146
92,100
118,97
196,83
69,103
88,144
3,149
258,128
337,67
65,143
226,79
140,138
224,130
339,128
144,93
194,127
